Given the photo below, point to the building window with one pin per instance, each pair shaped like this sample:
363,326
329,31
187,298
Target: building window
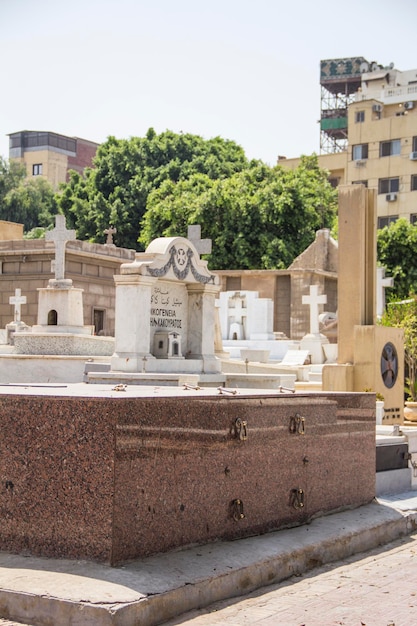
389,185
360,151
359,116
334,181
37,169
413,218
390,148
360,182
33,139
386,221
414,144
414,182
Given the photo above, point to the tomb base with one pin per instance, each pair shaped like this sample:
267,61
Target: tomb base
260,381
314,344
147,363
61,343
167,379
100,474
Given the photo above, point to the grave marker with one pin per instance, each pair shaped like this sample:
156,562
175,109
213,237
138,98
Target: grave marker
110,231
60,235
17,300
314,300
165,312
363,345
203,246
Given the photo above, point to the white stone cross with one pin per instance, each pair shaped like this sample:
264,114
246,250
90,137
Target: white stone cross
60,235
203,246
382,283
238,311
17,300
314,300
110,231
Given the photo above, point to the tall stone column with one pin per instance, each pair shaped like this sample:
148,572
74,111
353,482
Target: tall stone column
201,325
132,323
357,265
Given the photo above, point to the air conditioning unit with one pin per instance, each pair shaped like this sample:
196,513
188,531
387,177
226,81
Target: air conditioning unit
359,162
413,156
408,105
377,108
391,197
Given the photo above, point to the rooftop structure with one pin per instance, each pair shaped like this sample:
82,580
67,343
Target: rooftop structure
51,155
368,132
340,79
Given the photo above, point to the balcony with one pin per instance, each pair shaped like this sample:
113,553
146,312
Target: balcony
388,95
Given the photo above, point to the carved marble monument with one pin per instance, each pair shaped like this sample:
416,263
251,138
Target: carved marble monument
165,317
60,328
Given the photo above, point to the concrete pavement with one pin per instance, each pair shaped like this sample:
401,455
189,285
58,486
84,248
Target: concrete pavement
46,592
377,588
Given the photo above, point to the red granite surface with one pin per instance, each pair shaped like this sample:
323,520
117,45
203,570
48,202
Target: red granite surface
112,479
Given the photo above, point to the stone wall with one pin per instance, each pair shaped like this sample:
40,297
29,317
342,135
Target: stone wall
286,289
26,265
119,477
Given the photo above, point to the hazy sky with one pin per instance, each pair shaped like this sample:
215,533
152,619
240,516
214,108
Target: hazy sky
247,71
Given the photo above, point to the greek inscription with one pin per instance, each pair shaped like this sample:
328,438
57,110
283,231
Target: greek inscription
165,323
165,318
164,312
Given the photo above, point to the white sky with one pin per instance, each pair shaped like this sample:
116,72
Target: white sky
247,71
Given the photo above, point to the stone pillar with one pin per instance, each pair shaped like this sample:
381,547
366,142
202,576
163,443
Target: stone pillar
132,323
201,325
357,265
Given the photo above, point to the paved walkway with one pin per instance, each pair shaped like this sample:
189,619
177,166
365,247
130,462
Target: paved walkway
360,590
375,589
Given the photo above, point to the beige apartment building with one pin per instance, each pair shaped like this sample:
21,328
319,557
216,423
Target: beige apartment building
369,133
51,155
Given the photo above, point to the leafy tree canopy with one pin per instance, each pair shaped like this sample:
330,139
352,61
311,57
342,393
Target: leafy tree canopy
258,218
11,174
125,171
27,201
397,252
157,185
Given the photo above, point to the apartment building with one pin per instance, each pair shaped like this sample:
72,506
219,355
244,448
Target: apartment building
51,155
368,132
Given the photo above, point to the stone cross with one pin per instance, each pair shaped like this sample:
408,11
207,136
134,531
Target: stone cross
17,300
110,231
238,311
314,300
60,235
203,246
382,282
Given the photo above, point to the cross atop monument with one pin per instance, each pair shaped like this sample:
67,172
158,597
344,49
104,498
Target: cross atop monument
203,246
17,300
314,299
110,231
60,235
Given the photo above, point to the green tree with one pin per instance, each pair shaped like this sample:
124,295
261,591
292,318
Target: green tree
397,252
27,201
259,218
125,172
12,174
